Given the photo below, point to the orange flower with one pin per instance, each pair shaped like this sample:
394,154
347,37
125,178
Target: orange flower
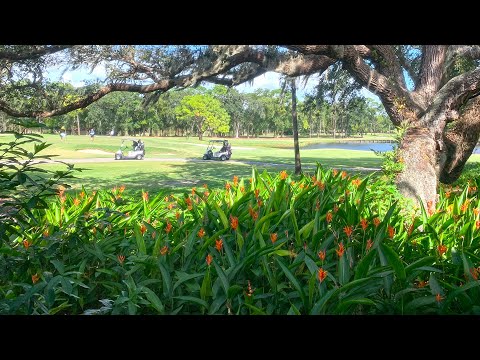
364,224
369,244
410,229
26,244
464,206
301,186
439,297
201,233
391,231
143,228
474,273
233,222
154,234
376,222
209,259
476,211
219,244
430,208
347,192
242,189
322,254
314,178
259,203
82,194
168,228
145,195
94,230
341,250
170,206
253,213
235,180
477,224
335,208
177,215
205,186
329,217
227,186
450,209
322,274
320,185
442,249
273,237
122,188
335,172
165,198
46,233
447,194
421,284
121,259
257,192
164,250
76,201
188,201
348,230
283,175
35,278
356,182
472,189
193,190
344,174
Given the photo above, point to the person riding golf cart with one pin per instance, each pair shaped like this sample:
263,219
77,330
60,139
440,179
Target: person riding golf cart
136,151
223,154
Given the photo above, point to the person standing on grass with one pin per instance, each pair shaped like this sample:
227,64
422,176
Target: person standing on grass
63,134
92,134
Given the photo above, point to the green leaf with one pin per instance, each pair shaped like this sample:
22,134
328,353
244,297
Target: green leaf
256,310
293,279
140,240
154,300
192,299
394,261
206,288
362,268
221,214
343,270
345,304
167,280
222,276
182,277
428,260
59,266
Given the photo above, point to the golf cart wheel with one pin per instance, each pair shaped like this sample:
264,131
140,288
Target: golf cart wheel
139,157
118,157
223,158
205,157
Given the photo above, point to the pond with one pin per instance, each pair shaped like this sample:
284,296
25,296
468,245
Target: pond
364,146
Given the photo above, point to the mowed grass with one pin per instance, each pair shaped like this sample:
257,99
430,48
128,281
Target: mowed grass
174,164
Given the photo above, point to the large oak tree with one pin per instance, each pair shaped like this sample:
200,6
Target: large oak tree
432,89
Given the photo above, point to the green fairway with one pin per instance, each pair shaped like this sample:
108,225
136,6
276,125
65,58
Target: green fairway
174,164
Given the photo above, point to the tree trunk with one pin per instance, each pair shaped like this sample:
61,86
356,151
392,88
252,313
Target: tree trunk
419,177
78,124
298,163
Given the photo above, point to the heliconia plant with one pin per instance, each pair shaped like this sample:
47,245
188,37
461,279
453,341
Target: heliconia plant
329,242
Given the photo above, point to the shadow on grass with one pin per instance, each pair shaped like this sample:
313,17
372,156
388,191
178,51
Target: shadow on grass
182,176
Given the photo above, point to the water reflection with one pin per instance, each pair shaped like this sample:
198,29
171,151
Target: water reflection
364,146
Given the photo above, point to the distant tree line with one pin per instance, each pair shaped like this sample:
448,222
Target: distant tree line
219,111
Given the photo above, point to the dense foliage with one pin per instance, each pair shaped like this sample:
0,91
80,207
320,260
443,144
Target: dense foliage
325,243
